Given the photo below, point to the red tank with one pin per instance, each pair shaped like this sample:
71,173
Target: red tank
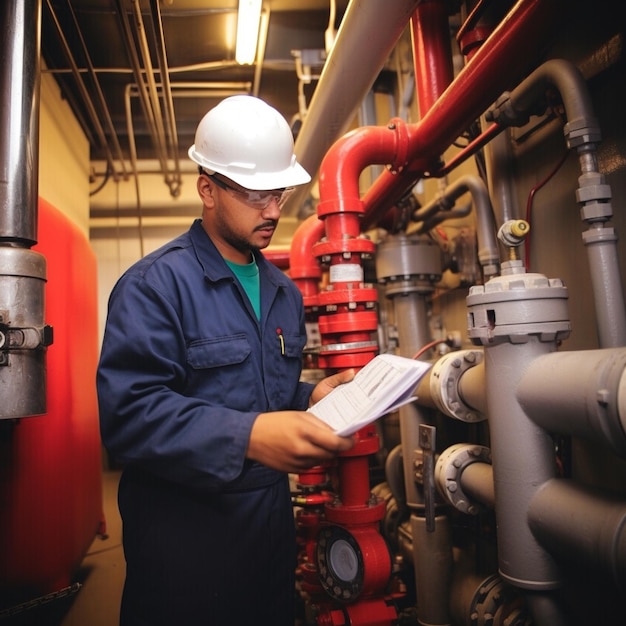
50,465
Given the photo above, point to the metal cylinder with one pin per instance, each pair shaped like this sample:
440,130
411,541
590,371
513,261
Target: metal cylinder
22,367
19,110
518,317
581,526
579,393
433,564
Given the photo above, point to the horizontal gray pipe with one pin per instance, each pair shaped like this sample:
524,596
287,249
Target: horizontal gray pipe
573,523
580,393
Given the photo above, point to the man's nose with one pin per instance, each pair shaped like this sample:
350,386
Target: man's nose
273,209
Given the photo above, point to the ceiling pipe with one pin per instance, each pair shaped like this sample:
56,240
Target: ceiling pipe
365,40
89,103
168,101
153,101
144,95
507,55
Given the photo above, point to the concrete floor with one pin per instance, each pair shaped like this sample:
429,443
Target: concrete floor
97,585
102,570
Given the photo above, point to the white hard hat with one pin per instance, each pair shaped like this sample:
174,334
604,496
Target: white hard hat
250,142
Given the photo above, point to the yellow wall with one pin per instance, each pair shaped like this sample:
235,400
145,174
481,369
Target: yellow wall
63,156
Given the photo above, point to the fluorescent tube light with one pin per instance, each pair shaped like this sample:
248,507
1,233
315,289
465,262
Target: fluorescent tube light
248,19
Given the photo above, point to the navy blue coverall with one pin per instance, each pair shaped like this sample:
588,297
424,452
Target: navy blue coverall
185,368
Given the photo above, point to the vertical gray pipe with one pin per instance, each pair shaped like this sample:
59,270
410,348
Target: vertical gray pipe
23,334
409,266
433,570
19,108
523,459
411,317
606,281
518,318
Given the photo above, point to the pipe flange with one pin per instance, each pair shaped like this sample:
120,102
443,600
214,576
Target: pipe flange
444,384
516,305
448,470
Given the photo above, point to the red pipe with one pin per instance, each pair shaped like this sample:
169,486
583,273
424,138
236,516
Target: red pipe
472,148
349,155
279,258
431,52
509,53
304,269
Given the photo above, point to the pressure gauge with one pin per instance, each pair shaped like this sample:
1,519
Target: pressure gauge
339,563
352,562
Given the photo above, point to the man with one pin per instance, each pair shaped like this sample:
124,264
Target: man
200,398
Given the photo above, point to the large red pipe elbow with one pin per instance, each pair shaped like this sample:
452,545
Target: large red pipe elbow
344,162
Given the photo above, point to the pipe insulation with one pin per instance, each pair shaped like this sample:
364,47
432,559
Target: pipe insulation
572,522
580,393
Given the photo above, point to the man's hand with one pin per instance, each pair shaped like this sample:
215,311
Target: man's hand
325,386
293,441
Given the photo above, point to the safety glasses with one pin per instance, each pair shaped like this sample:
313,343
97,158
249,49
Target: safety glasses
256,199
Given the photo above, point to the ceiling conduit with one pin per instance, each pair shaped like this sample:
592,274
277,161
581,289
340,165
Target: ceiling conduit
89,104
168,101
153,102
147,97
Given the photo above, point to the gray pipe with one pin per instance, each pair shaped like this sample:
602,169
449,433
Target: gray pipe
23,334
578,393
433,575
574,523
168,101
157,135
523,459
19,108
477,481
488,251
94,116
499,165
517,317
350,70
582,133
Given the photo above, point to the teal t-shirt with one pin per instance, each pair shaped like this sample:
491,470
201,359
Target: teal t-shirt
248,276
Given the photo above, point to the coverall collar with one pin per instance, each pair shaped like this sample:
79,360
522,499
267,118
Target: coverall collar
213,263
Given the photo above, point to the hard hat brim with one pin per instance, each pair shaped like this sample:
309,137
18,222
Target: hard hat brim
251,177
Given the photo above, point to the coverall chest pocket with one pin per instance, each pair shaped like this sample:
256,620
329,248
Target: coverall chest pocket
221,370
283,371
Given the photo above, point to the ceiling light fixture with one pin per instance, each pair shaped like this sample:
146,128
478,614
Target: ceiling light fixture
248,19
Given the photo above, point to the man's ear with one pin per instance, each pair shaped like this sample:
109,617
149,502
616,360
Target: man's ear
206,189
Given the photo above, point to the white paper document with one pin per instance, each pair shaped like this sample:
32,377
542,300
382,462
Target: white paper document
387,382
